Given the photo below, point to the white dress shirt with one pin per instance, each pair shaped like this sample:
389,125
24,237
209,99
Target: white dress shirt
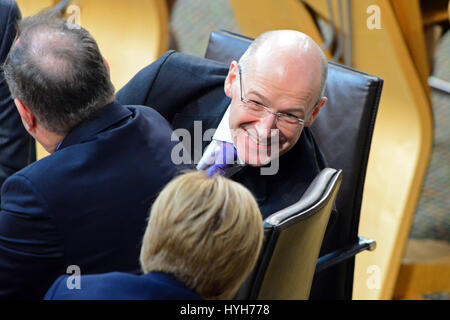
223,133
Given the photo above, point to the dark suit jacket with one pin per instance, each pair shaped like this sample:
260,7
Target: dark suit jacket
122,286
185,89
16,145
87,203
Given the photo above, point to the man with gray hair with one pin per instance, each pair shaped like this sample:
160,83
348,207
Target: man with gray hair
257,112
82,209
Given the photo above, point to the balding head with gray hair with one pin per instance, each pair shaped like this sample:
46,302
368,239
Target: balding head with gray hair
56,70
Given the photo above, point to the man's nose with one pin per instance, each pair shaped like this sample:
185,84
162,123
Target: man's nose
266,124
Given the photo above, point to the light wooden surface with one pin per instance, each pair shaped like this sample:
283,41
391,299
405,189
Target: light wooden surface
321,9
30,7
409,17
400,149
425,269
257,16
417,281
131,34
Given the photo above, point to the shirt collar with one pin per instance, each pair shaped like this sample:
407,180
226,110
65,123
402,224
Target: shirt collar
223,132
59,145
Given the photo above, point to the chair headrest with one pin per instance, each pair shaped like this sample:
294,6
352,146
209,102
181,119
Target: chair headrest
315,197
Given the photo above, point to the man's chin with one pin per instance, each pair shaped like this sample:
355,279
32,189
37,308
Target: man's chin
257,161
259,157
254,154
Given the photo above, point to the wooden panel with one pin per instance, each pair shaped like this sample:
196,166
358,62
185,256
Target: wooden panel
257,16
30,7
400,149
409,16
320,8
425,269
40,152
417,280
131,34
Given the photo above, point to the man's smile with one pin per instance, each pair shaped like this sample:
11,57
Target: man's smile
260,142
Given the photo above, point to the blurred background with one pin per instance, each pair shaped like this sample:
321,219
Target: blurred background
406,206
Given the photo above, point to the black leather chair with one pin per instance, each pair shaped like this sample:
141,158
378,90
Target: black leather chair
16,145
292,240
343,131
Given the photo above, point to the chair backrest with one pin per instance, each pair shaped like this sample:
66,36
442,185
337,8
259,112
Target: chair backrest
292,240
343,131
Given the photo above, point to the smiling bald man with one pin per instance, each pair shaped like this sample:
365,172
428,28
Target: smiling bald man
261,106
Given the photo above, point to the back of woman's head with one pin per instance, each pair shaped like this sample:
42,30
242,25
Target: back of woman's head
205,231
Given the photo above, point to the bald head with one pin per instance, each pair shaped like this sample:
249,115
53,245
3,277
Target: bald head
288,53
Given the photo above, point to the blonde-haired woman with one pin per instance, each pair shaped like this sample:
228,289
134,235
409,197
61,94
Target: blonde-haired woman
202,240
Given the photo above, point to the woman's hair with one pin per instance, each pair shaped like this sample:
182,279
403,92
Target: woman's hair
207,232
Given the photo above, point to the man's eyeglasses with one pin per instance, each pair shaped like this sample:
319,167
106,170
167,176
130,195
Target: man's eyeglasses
256,109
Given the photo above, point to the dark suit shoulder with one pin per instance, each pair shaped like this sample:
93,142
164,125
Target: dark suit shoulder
142,143
146,133
22,195
173,82
9,14
122,286
197,67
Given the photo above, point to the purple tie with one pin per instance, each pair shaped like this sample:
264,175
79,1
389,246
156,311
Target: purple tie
225,159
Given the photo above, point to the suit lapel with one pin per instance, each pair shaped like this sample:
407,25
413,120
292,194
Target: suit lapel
197,121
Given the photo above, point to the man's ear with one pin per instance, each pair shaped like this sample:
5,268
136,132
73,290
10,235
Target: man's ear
231,77
28,119
105,62
316,111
